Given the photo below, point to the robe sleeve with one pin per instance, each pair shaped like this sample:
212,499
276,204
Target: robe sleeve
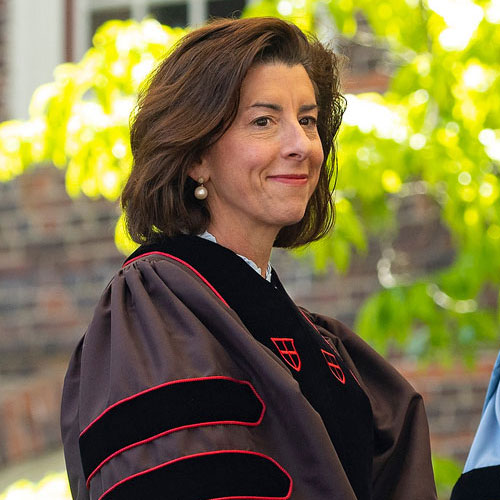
402,468
153,404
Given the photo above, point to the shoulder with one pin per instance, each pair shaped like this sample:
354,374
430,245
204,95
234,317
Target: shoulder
357,348
158,273
376,373
402,443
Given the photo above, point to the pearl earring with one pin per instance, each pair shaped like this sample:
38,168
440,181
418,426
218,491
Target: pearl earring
201,192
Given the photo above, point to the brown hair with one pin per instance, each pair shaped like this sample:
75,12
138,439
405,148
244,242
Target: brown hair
192,99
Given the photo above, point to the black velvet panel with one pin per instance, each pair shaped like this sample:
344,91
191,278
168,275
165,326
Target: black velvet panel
163,409
478,484
226,474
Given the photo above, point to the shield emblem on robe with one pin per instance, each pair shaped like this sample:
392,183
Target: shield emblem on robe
286,348
334,366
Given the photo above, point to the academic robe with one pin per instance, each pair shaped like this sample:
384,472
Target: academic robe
195,380
481,476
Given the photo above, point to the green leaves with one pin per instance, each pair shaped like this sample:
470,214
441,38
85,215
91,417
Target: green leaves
446,473
435,132
80,121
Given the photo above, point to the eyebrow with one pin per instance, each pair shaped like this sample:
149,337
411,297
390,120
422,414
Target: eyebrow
277,107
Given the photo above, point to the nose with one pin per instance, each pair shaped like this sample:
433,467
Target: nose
296,144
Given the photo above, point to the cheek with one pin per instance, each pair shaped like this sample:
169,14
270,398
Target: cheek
254,158
318,162
319,152
315,185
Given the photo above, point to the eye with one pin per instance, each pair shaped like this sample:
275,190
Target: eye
262,121
308,121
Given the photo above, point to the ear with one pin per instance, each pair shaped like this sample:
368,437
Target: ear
199,171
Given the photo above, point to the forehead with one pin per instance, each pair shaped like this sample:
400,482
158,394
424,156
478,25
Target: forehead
277,81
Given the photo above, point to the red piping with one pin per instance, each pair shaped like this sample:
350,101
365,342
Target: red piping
175,429
355,378
322,337
184,263
246,452
308,320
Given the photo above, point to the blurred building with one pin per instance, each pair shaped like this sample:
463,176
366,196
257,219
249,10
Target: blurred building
57,255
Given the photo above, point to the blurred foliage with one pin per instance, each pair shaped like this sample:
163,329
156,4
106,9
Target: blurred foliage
435,132
80,121
446,473
53,486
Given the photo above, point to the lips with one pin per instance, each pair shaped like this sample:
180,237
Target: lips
292,179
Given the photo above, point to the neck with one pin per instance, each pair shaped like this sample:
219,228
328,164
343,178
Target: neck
254,245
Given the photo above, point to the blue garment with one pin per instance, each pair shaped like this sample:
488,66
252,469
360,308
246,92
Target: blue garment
485,449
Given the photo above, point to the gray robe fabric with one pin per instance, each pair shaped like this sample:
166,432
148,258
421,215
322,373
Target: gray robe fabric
158,321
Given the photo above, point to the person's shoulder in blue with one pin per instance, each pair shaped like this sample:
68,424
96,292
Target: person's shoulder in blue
480,479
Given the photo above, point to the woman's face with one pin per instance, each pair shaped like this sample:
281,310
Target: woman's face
262,172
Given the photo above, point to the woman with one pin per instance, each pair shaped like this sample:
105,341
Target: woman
198,377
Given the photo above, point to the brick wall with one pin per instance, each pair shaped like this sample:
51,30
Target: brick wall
56,256
454,398
29,409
